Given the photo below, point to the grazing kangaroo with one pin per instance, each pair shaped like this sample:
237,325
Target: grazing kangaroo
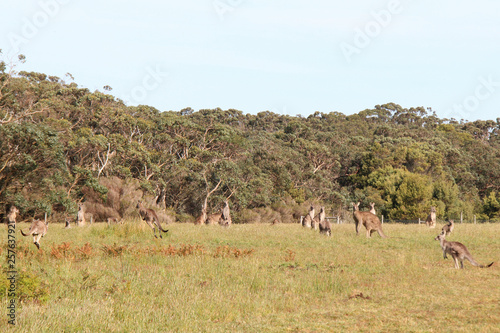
80,216
38,229
458,251
372,208
369,220
214,218
324,225
448,228
151,219
201,219
115,220
431,218
12,215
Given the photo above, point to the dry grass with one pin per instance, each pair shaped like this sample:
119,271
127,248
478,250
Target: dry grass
256,278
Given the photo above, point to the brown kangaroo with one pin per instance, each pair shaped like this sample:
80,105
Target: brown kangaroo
372,208
448,228
151,218
38,229
431,218
308,219
369,220
12,215
458,252
324,225
214,218
80,216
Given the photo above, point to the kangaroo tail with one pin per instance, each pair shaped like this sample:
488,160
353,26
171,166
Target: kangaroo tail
475,263
486,266
381,233
22,233
160,227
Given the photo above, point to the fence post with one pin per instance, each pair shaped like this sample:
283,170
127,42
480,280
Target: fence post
474,219
461,216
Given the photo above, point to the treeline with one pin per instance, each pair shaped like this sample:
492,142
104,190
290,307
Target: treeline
60,143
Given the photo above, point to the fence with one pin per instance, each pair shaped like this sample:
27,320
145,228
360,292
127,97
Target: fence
349,219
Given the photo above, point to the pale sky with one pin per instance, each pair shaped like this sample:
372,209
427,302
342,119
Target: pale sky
286,56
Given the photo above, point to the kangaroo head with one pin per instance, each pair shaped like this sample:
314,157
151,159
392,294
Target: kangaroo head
356,206
440,236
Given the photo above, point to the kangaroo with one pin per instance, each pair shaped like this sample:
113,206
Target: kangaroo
38,229
369,220
372,208
80,216
115,220
458,251
315,222
214,218
201,219
448,228
12,215
431,218
308,219
151,219
225,219
324,225
68,221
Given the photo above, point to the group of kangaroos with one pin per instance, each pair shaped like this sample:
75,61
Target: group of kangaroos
39,228
368,219
372,223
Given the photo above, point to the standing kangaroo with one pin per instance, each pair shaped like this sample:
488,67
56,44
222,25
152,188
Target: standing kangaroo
151,219
369,220
324,225
448,228
372,208
308,219
431,218
80,216
458,251
38,229
12,215
225,219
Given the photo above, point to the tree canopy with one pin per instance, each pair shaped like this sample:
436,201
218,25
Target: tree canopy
58,140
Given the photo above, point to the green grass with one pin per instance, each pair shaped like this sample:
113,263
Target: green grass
254,278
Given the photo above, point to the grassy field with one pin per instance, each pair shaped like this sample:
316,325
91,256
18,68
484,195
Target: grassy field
253,278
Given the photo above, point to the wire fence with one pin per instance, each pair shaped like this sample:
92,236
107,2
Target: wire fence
349,219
